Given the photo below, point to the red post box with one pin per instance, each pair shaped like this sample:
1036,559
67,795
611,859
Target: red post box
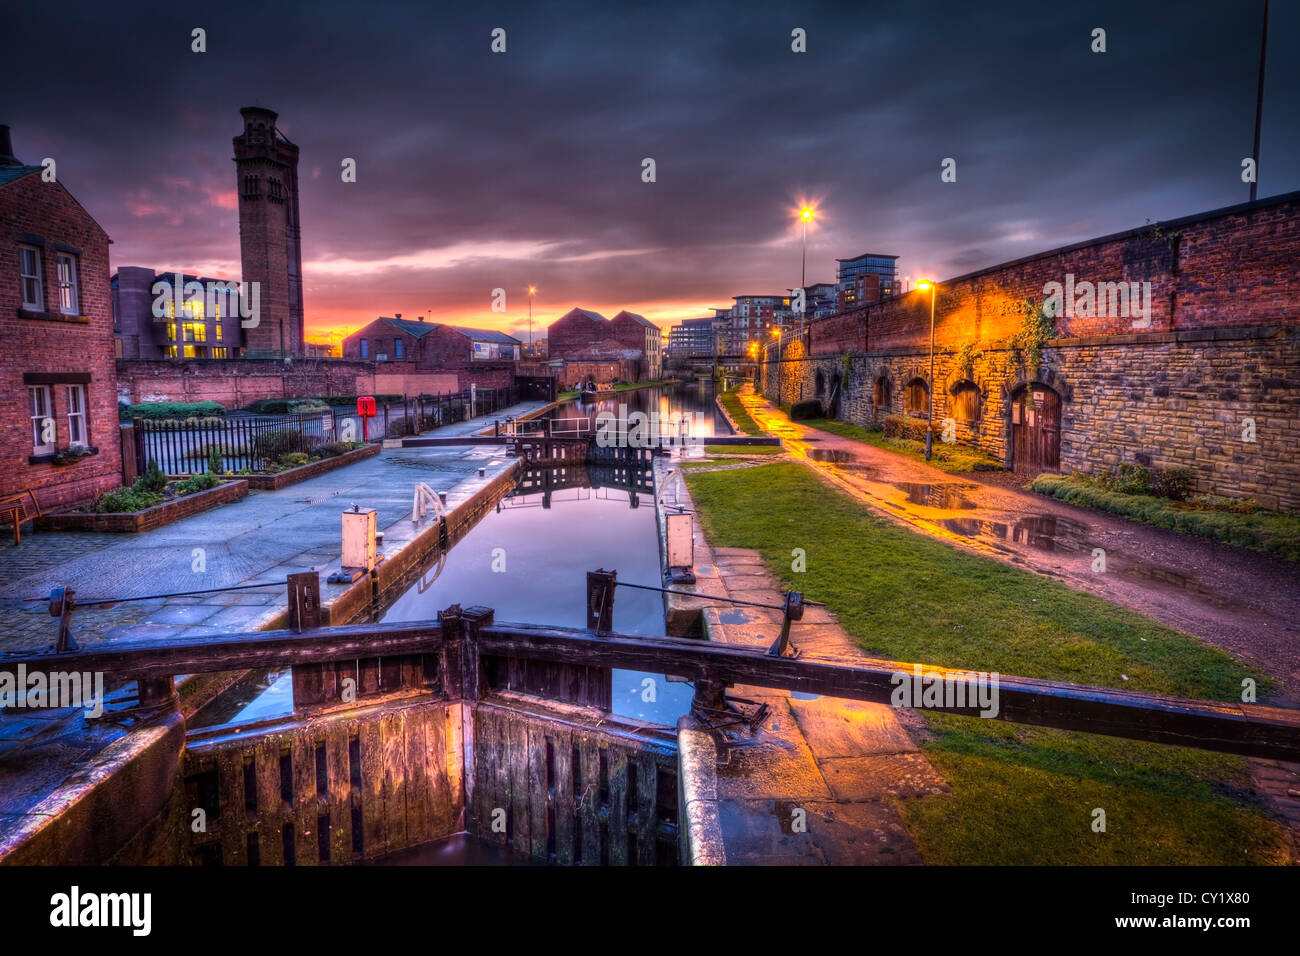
365,411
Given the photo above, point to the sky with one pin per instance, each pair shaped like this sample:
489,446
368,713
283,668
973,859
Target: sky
478,170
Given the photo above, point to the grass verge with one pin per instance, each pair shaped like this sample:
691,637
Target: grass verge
743,449
1020,794
952,458
1267,531
744,421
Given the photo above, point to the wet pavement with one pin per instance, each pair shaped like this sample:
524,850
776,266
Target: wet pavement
1242,601
257,540
820,782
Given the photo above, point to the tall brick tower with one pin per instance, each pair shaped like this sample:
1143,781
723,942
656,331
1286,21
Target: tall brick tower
270,236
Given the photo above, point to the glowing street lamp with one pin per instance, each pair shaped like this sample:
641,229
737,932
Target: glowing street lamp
805,216
923,285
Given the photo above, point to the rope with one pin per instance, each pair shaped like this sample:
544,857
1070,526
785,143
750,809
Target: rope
91,602
711,597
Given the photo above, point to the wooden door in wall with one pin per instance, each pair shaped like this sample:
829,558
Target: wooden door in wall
1036,429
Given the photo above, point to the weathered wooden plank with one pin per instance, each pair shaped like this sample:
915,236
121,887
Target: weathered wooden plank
485,771
1247,729
618,771
538,796
306,805
589,810
442,734
270,808
646,788
520,814
230,786
213,653
501,773
340,791
418,803
374,839
393,737
562,748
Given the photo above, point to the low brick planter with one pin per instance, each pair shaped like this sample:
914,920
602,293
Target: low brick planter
149,518
282,479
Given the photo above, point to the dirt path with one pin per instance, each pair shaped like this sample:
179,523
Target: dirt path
1242,601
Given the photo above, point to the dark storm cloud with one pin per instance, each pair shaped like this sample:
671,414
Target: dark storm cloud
527,164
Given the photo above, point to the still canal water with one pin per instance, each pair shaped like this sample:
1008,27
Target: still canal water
528,560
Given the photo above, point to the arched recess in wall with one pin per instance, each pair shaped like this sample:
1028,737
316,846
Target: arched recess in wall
966,402
881,393
833,399
819,385
916,398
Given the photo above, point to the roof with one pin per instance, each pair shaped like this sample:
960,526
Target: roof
9,173
484,335
412,328
639,319
868,255
594,316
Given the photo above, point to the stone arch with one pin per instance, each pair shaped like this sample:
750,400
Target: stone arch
916,396
1018,385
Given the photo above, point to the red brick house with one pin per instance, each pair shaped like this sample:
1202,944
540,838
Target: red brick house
628,342
59,433
482,357
637,332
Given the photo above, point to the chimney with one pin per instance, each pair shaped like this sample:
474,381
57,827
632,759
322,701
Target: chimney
7,157
421,318
397,315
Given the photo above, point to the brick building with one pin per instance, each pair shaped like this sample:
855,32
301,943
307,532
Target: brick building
482,357
270,233
197,334
638,333
1179,349
59,434
590,346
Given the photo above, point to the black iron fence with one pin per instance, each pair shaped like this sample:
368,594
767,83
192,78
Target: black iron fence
254,443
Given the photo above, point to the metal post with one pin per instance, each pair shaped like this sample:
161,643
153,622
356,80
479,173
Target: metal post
600,600
929,425
1259,102
793,612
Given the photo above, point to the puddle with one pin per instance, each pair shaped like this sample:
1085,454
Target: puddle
1050,533
1172,582
829,454
736,617
948,497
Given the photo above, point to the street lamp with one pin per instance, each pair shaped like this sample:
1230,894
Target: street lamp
929,425
532,350
805,216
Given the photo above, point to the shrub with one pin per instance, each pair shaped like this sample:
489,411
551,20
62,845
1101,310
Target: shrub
175,410
899,426
1128,480
197,483
126,500
291,459
214,460
287,406
1172,483
153,481
272,444
335,448
810,408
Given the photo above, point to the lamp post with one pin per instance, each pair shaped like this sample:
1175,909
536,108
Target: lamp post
929,425
805,216
532,351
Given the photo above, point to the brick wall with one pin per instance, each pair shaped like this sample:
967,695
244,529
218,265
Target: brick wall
51,344
236,383
1222,349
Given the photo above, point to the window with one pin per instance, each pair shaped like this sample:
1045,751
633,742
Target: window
221,353
196,332
38,403
397,348
68,302
29,259
218,331
76,414
365,348
169,351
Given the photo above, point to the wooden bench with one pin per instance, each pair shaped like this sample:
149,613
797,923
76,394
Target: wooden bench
19,509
